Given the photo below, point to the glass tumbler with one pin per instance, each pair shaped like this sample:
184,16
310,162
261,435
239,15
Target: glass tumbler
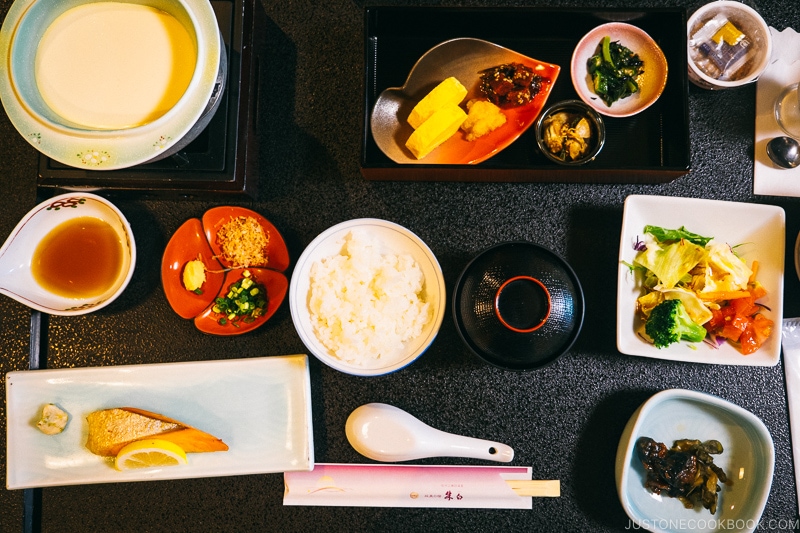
787,110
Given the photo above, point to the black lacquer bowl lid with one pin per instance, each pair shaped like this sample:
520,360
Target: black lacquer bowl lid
518,306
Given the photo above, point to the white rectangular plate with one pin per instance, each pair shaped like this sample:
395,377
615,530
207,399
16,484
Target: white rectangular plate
760,229
260,407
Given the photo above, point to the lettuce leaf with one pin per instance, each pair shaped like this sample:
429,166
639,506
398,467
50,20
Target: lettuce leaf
669,262
667,235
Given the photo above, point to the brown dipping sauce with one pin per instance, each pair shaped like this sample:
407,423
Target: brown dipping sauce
80,258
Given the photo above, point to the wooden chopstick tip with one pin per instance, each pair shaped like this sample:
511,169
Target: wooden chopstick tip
537,488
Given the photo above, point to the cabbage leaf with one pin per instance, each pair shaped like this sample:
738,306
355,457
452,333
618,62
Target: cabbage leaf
725,271
669,262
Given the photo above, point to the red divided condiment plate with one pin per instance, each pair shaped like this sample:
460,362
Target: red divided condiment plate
196,239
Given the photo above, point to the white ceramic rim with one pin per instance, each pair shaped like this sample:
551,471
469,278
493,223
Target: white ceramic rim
114,149
199,390
797,256
721,84
627,443
81,310
298,296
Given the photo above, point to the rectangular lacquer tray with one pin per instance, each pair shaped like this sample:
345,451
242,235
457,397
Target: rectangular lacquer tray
651,147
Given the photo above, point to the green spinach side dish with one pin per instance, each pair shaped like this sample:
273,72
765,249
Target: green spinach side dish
614,69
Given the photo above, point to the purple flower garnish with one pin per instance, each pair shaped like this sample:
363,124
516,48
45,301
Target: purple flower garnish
639,245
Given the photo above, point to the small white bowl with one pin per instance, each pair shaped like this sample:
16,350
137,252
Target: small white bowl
394,239
17,253
749,22
576,108
748,458
651,82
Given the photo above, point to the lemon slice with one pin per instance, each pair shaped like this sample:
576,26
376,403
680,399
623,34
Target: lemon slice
150,453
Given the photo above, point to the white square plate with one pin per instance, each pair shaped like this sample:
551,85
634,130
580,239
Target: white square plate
260,407
761,232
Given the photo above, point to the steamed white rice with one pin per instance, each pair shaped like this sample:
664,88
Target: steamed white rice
366,305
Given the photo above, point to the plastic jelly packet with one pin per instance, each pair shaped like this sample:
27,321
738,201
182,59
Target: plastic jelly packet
719,48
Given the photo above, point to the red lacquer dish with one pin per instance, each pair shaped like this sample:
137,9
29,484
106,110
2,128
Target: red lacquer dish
197,239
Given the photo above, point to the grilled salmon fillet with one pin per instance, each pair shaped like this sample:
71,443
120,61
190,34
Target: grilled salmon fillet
111,429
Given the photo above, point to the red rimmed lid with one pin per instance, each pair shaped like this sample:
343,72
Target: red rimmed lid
522,304
518,306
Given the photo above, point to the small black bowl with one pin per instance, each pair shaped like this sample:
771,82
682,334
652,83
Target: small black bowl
518,306
575,110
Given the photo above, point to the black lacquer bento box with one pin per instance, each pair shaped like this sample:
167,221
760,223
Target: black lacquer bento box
650,147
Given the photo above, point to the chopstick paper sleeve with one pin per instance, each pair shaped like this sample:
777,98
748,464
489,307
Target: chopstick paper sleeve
377,485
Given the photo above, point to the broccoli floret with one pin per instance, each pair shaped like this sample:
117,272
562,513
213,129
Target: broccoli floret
669,323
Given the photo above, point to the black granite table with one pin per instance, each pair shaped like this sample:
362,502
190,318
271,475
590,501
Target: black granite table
564,421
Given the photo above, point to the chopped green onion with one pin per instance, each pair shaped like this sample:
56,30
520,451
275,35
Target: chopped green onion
241,304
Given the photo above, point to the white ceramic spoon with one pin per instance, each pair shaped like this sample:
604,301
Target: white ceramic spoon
385,433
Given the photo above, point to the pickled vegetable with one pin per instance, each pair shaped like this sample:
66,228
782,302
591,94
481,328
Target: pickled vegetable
614,70
567,135
686,471
511,85
194,275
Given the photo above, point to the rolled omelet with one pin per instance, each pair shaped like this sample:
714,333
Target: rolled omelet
442,125
449,92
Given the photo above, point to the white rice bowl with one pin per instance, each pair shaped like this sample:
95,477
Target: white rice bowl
366,297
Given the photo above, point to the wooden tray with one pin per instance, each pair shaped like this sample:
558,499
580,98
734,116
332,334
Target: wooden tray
651,147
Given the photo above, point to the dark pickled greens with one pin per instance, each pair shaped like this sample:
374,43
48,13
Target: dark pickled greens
686,471
614,69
